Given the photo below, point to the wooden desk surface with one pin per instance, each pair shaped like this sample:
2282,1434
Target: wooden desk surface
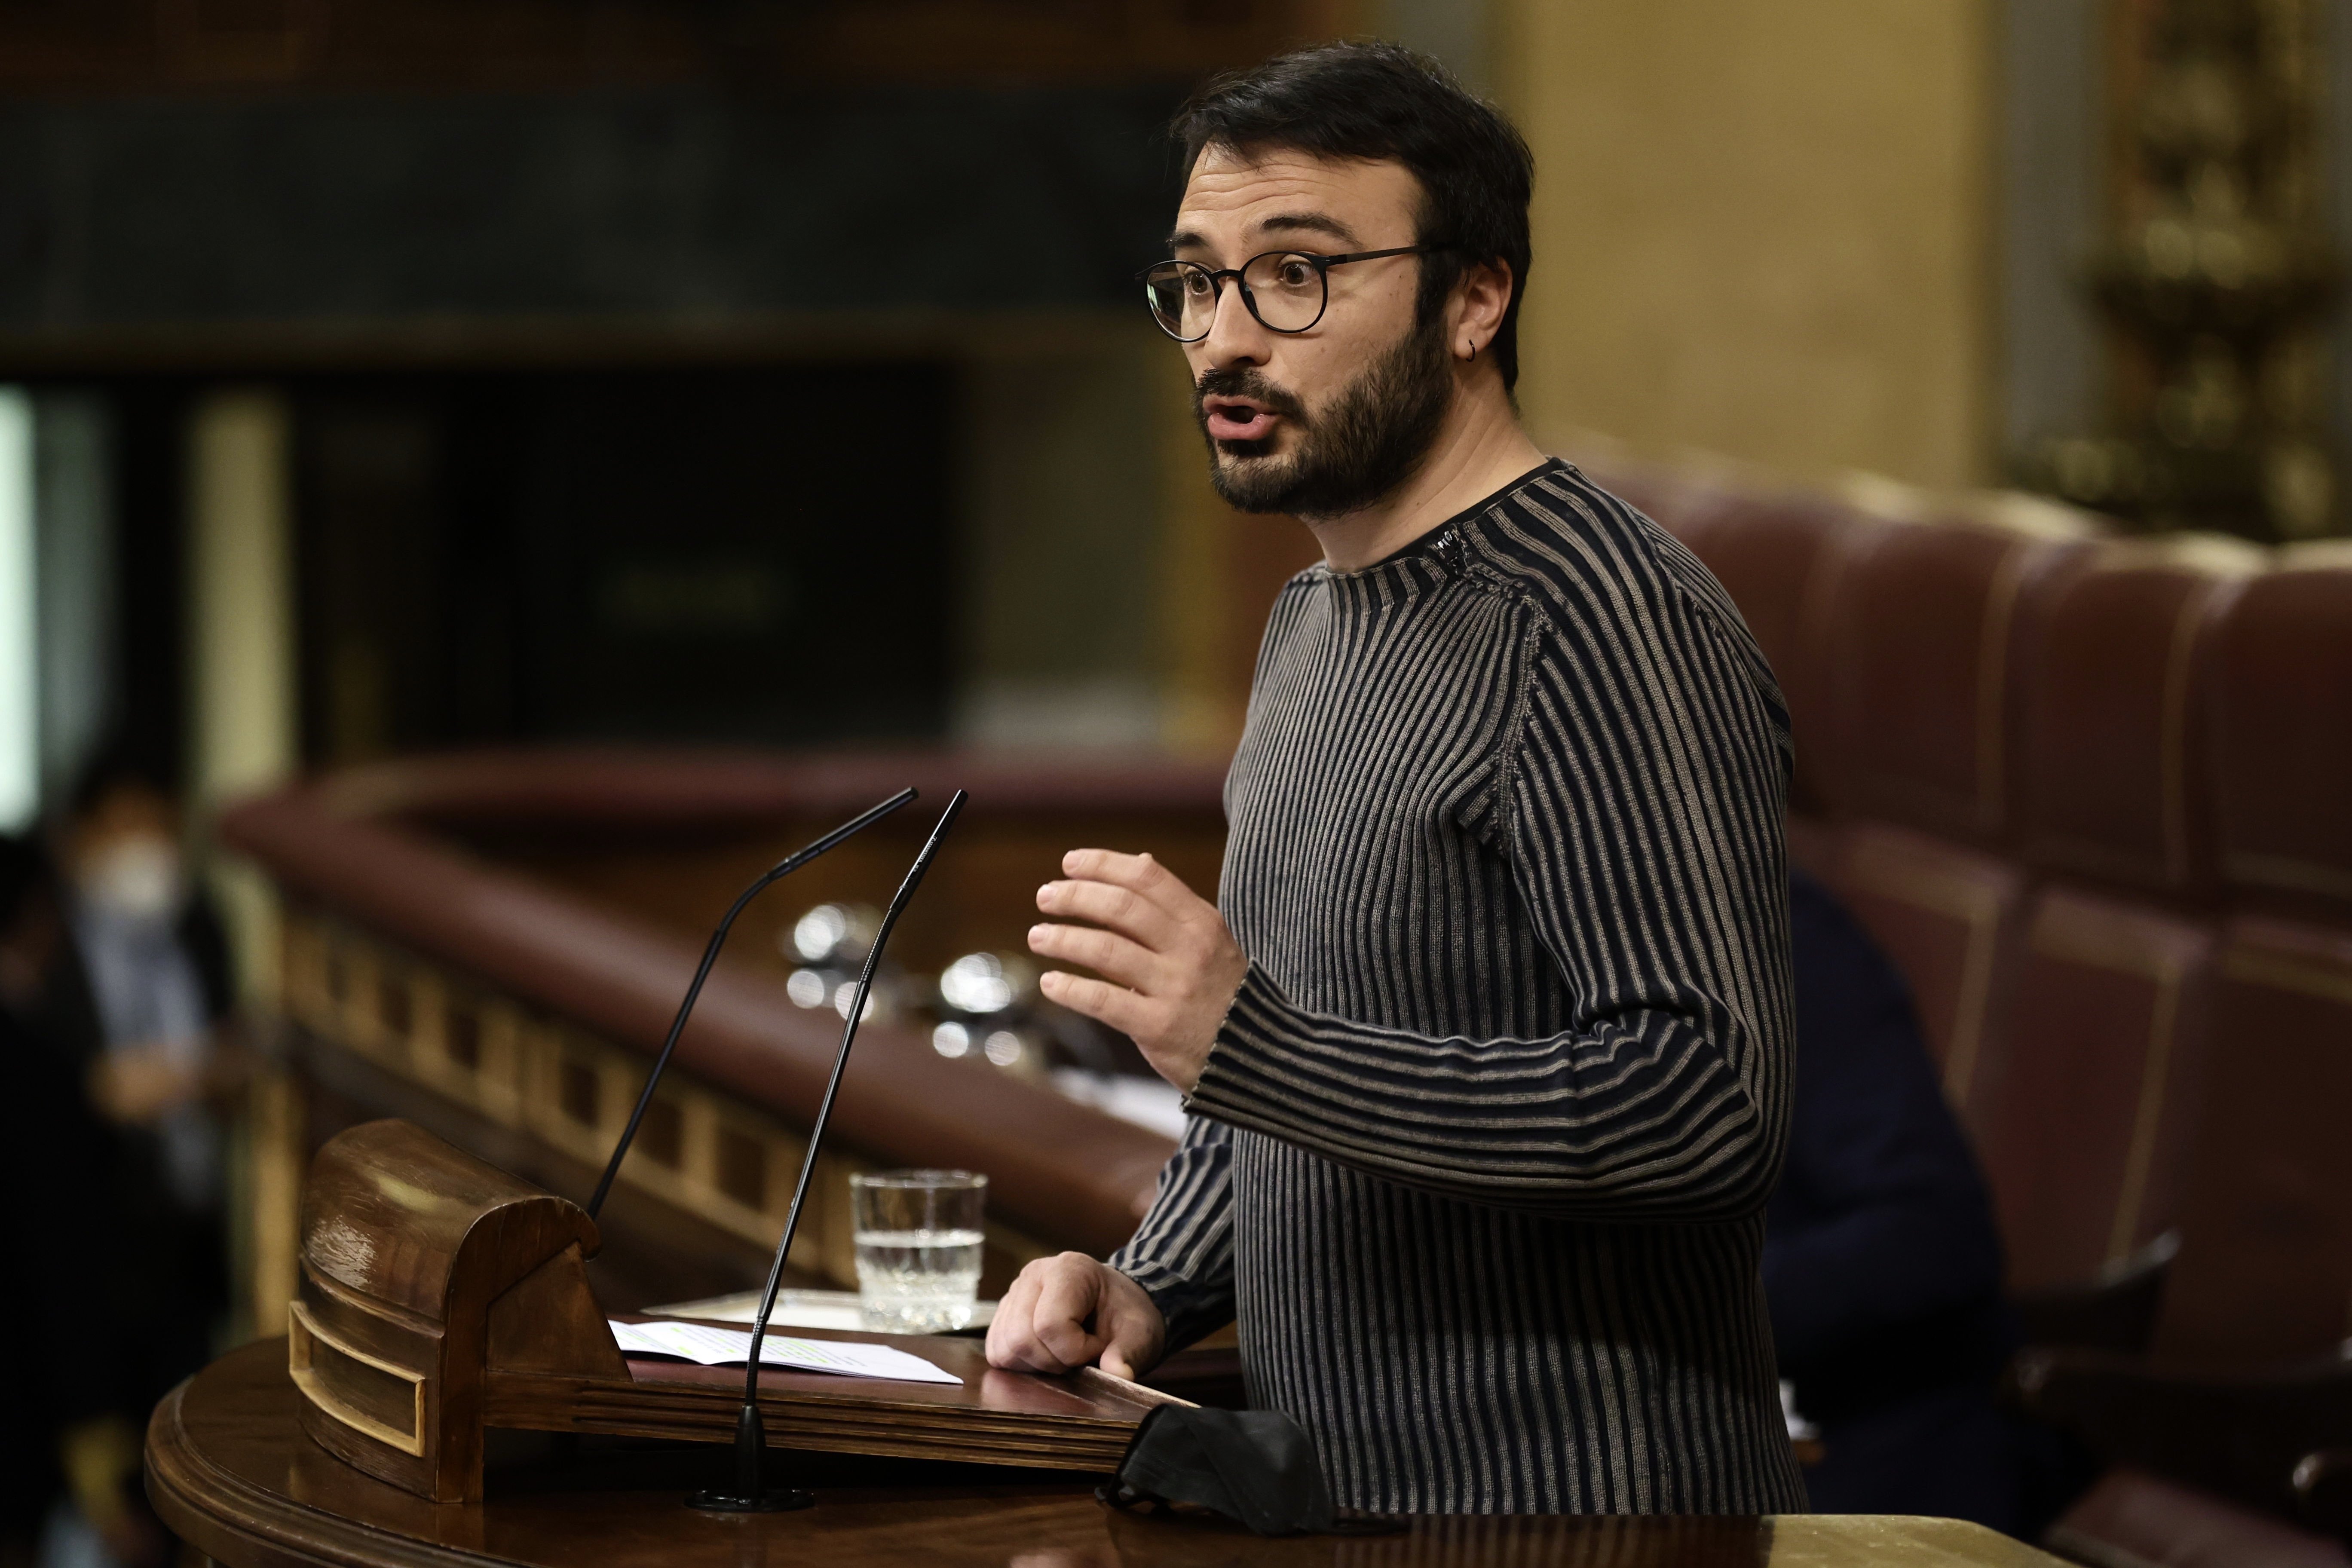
231,1471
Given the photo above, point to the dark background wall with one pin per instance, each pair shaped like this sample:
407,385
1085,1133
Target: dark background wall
715,554
619,413
689,205
723,370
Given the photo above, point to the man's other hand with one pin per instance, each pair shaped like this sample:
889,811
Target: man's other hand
1169,966
1070,1311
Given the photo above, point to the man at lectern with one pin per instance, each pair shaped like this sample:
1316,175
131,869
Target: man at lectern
1488,1047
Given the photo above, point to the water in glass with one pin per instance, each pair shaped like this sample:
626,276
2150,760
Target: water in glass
918,1248
918,1281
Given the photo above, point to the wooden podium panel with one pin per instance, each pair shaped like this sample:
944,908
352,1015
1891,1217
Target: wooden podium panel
441,1297
443,1302
1080,1423
231,1472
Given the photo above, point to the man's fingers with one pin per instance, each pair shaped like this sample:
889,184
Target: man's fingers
1138,874
1067,1284
1011,1333
1069,1297
1028,1354
1133,1330
1106,953
1015,1336
1103,865
1130,1345
1043,1324
1114,1006
1121,910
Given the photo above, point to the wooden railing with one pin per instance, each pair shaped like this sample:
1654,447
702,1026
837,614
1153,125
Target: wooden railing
492,944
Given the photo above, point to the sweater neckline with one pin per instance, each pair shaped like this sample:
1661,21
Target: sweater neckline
1434,556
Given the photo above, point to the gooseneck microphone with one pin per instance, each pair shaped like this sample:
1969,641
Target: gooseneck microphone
750,1492
776,873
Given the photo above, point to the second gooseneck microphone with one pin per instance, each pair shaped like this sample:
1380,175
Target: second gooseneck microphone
776,873
751,1493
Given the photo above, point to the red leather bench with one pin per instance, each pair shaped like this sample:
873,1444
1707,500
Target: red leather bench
2094,795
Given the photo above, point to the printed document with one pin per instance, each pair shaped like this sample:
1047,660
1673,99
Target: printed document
723,1347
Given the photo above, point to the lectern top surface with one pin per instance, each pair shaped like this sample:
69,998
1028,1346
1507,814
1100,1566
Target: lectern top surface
979,1386
231,1471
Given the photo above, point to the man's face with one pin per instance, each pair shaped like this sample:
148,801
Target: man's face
1329,420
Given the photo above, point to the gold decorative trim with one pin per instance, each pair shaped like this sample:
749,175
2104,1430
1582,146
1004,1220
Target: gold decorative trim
302,1329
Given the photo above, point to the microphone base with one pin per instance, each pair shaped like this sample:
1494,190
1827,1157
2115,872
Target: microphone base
751,1493
775,1499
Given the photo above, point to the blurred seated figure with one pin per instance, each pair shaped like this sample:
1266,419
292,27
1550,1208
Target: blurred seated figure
1881,1262
157,971
69,1424
158,974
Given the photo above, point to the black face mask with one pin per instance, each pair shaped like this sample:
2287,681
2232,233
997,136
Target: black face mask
1255,1466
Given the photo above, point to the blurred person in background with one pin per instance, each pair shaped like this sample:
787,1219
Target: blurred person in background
158,974
1882,1265
69,1418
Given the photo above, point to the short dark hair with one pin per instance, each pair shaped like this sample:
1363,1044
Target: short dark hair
116,768
1384,102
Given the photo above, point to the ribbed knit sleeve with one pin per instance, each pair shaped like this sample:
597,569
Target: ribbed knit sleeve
1639,799
1182,1254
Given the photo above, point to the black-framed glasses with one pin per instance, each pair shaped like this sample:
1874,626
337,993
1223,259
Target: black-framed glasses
1286,290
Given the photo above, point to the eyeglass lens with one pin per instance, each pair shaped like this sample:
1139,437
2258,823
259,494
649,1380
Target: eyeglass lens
1285,289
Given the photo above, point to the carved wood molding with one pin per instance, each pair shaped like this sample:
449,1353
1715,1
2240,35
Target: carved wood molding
708,1153
563,993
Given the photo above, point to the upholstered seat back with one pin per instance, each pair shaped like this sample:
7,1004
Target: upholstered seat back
2265,1264
2093,796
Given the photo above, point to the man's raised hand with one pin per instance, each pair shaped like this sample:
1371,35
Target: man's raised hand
1070,1311
1170,967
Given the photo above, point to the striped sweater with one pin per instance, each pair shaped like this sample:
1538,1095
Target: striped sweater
1480,1157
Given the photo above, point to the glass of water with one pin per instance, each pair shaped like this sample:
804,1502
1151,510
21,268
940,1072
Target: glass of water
918,1244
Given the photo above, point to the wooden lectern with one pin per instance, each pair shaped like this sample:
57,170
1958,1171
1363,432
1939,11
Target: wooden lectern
441,1297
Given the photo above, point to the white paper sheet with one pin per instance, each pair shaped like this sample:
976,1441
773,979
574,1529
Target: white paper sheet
794,1310
721,1347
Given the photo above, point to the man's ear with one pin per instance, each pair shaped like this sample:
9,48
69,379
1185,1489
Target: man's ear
1482,296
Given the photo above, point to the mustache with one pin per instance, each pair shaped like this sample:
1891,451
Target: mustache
1249,383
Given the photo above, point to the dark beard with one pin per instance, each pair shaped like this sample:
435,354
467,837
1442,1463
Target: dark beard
1374,436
